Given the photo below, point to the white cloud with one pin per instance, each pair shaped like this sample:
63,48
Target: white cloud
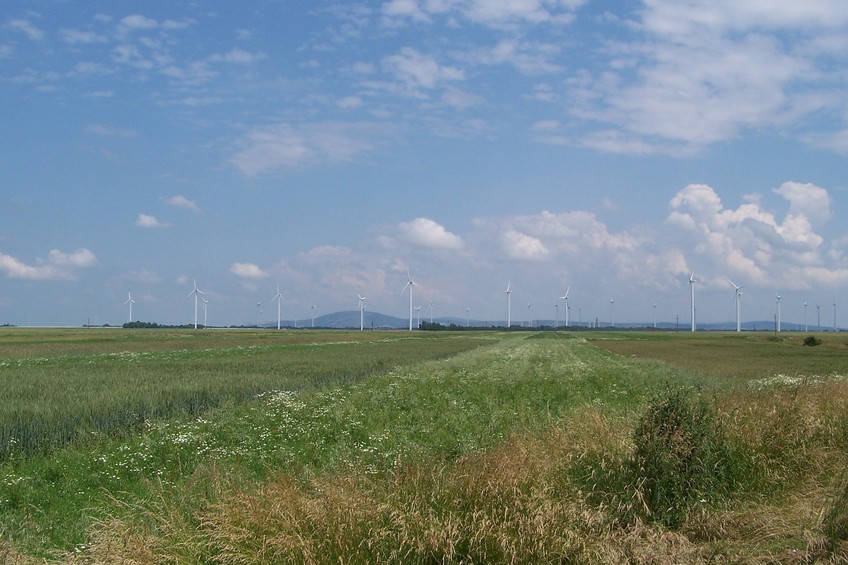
75,36
418,71
349,102
523,247
426,233
750,241
247,271
137,22
58,265
806,199
146,221
499,14
181,201
286,146
697,73
238,56
27,28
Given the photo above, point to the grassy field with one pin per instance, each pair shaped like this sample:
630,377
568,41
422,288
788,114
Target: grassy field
319,447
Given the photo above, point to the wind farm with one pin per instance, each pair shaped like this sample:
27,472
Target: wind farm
377,320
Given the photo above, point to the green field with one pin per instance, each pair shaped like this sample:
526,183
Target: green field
154,446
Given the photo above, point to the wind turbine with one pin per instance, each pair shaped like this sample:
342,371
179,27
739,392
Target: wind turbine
692,282
467,313
431,311
258,313
508,305
529,315
565,297
805,316
279,298
834,314
312,308
409,284
418,318
130,301
738,305
195,292
361,311
655,315
612,311
777,296
205,311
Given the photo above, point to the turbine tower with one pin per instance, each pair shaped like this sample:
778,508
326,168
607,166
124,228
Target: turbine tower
418,315
279,298
508,305
130,301
805,316
361,311
692,282
777,296
738,305
612,311
565,297
205,312
409,284
195,292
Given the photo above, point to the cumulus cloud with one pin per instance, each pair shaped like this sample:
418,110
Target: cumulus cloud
58,265
424,232
523,247
182,202
150,222
247,271
749,240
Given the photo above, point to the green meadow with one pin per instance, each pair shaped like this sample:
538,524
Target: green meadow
160,446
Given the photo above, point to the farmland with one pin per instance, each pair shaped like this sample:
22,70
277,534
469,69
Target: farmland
240,446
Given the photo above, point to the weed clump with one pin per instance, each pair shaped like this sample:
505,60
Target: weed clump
681,457
812,341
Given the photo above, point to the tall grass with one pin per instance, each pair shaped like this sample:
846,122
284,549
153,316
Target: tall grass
524,450
48,402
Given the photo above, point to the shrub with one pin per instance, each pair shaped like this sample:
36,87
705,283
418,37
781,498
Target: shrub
681,457
812,340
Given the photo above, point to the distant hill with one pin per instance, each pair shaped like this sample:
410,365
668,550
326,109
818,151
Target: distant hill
349,319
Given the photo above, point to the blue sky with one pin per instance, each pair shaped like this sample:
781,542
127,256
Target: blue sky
610,147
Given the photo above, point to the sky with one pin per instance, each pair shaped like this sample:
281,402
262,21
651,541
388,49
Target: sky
611,149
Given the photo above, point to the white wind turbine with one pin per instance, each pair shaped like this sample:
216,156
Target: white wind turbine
195,292
612,311
738,305
205,312
508,305
361,311
418,316
312,308
777,296
565,297
529,315
130,301
409,284
692,281
279,298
